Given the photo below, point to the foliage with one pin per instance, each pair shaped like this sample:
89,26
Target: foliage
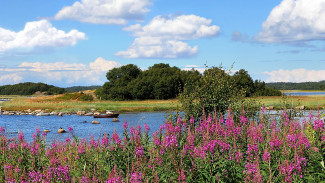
244,82
117,87
214,149
298,86
29,88
86,97
215,92
80,88
158,82
162,81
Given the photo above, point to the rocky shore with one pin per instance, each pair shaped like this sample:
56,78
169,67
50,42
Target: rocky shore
40,112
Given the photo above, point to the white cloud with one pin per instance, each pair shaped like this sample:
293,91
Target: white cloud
38,34
195,67
295,75
59,73
103,65
164,37
105,11
294,21
10,78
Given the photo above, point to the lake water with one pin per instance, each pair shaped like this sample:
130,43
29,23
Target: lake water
304,93
81,124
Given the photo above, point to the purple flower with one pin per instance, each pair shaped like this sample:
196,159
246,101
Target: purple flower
292,140
171,141
85,179
7,167
116,138
104,140
146,127
192,120
243,120
318,124
139,151
81,149
125,125
67,140
21,136
70,129
114,180
136,178
2,130
266,155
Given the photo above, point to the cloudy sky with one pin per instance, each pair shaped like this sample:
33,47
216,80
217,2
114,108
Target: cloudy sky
70,42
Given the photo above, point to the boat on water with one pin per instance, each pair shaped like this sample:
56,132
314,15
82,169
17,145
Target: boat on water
106,116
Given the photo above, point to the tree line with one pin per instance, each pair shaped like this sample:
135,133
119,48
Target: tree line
161,81
298,86
29,88
81,88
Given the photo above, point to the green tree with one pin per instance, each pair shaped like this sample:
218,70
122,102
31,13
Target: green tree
158,82
244,82
216,91
117,88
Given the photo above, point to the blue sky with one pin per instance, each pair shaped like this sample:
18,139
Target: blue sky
68,43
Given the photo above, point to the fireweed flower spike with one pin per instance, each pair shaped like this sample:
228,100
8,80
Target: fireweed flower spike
234,149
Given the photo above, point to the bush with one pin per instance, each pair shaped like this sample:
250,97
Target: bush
216,92
86,97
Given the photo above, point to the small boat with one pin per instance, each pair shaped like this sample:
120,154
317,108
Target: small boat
106,116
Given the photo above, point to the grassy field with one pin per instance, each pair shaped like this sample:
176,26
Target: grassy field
311,102
63,103
54,103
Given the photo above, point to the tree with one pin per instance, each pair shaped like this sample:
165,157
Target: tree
117,88
244,82
158,82
216,91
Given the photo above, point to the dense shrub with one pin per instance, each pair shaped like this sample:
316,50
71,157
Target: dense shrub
215,92
86,97
214,149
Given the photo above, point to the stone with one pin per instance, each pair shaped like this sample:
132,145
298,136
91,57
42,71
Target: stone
95,122
28,111
38,111
79,113
116,120
54,113
89,114
300,107
269,107
61,130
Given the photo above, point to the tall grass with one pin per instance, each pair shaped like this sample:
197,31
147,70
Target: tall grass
214,149
63,104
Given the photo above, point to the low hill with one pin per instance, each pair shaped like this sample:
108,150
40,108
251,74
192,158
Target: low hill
30,88
298,86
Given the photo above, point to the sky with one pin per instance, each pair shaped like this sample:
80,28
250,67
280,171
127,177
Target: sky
75,43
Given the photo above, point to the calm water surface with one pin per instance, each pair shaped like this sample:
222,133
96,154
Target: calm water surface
81,124
304,93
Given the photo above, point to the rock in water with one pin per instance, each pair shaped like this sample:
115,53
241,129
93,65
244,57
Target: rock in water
61,130
95,122
116,120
